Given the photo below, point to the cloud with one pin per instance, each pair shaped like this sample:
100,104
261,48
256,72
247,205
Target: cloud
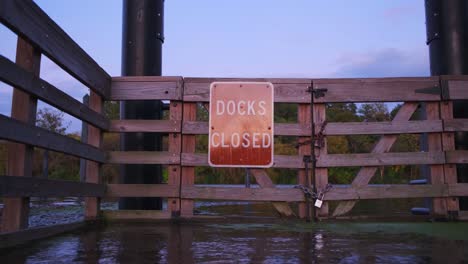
383,63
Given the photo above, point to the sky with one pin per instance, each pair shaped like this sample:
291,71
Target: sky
247,38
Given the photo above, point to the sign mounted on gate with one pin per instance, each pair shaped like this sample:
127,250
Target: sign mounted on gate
241,124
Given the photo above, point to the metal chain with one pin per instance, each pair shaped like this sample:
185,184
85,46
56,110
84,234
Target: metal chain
310,195
319,139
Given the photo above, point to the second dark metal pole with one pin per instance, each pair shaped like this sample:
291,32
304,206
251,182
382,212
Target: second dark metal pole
142,39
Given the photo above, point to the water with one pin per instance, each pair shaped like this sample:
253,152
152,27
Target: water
247,242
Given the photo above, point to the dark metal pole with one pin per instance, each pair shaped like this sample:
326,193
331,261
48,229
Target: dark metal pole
447,38
142,39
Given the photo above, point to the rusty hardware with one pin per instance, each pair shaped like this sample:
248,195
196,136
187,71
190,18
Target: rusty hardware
319,92
441,90
319,138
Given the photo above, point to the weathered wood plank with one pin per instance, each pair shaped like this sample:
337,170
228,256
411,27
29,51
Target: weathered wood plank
382,128
31,84
448,144
143,157
380,159
92,204
389,191
17,186
365,174
31,22
304,118
434,144
136,214
175,146
28,134
457,156
280,161
188,146
242,194
157,126
12,239
265,182
337,193
453,125
321,174
377,90
146,88
344,128
281,129
458,189
457,86
286,90
142,190
20,157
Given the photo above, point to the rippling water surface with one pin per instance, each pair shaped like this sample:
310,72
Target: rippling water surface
279,242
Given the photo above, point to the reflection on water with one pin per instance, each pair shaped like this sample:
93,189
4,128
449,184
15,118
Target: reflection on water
285,242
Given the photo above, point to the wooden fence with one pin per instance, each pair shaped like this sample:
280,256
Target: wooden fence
38,34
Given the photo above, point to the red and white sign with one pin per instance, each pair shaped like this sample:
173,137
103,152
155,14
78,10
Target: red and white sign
241,124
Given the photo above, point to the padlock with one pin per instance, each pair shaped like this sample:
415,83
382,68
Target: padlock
318,203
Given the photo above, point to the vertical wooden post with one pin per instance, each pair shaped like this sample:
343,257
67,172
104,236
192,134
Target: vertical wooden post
450,170
174,171
434,142
188,146
303,118
321,174
20,156
92,204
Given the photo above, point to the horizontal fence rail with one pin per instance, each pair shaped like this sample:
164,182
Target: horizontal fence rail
14,75
29,21
20,132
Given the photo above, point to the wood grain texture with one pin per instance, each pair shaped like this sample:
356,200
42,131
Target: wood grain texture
188,171
92,204
135,214
365,174
32,23
337,193
304,118
156,126
267,194
142,190
15,212
434,143
28,134
448,144
281,129
33,85
175,146
344,128
457,87
376,90
457,156
453,125
17,186
381,128
286,90
143,157
458,189
146,88
264,181
321,174
381,159
280,161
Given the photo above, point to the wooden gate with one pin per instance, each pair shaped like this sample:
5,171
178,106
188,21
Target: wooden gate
38,34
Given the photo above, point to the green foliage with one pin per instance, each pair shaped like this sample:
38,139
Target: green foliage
51,120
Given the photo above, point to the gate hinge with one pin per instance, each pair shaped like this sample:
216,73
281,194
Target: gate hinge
441,90
319,92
